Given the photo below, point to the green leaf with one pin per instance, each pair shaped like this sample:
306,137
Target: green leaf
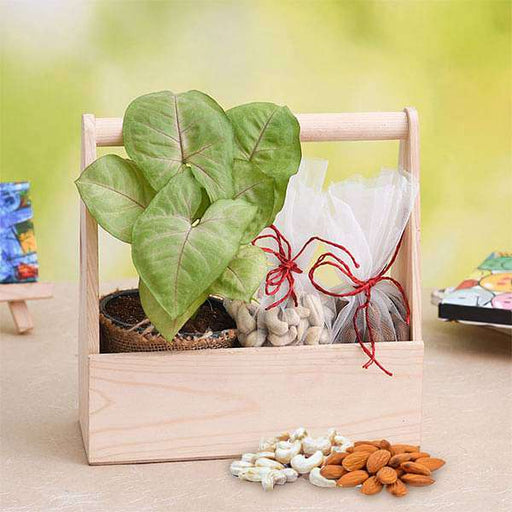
178,258
257,189
280,187
115,193
165,133
268,136
167,326
243,275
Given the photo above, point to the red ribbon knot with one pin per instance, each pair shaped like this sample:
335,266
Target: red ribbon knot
360,286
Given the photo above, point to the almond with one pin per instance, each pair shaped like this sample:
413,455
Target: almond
418,455
350,449
416,468
371,486
353,478
387,475
373,443
403,448
335,459
396,460
377,460
417,480
333,472
385,445
431,463
365,448
356,460
399,472
397,489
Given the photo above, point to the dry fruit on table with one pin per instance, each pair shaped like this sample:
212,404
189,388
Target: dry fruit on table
332,461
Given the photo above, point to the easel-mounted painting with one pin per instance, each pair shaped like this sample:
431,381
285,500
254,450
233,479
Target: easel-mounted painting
19,268
18,258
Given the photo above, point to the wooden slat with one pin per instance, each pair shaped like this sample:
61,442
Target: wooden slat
407,268
88,322
25,291
218,403
313,127
21,316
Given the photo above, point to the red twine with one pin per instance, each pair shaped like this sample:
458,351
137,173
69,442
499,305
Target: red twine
287,267
360,287
287,264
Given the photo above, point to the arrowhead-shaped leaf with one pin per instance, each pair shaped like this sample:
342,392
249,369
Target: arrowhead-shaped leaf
178,258
164,132
243,275
257,189
267,135
167,326
116,193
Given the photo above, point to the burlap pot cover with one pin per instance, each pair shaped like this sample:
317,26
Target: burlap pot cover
118,336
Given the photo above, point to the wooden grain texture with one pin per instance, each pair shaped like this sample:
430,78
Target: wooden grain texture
407,267
313,127
25,291
88,319
218,403
21,316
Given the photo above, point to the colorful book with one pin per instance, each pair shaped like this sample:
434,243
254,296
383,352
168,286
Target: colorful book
485,296
18,251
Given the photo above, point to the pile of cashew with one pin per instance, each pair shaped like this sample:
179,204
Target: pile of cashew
284,458
305,323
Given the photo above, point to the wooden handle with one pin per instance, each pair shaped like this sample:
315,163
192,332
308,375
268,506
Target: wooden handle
313,127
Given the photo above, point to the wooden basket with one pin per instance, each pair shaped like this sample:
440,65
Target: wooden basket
144,407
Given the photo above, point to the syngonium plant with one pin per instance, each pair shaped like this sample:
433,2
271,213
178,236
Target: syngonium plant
199,185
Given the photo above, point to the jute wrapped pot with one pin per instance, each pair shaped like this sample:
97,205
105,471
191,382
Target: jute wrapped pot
119,336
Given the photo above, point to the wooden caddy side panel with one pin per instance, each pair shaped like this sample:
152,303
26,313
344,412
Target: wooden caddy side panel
219,403
213,404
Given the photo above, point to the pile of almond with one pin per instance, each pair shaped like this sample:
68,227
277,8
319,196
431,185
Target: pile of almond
378,464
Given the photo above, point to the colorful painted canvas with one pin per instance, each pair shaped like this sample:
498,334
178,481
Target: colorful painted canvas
18,256
485,296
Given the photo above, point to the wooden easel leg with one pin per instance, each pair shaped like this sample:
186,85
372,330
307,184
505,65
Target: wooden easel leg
21,316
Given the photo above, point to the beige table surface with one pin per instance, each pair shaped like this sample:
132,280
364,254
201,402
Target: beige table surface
467,421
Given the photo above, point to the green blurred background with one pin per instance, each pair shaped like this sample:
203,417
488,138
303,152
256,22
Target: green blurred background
449,59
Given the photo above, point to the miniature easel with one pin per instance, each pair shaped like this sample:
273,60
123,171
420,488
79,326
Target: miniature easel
17,294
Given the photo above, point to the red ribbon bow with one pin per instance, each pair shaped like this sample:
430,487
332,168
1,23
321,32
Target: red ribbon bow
287,264
360,287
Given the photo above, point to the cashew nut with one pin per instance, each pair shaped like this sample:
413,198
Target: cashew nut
254,474
232,306
274,325
249,457
316,311
298,434
272,478
290,316
302,311
253,339
238,466
325,337
291,474
285,339
303,464
265,454
286,450
267,444
317,479
244,321
311,445
268,463
301,328
341,443
312,336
